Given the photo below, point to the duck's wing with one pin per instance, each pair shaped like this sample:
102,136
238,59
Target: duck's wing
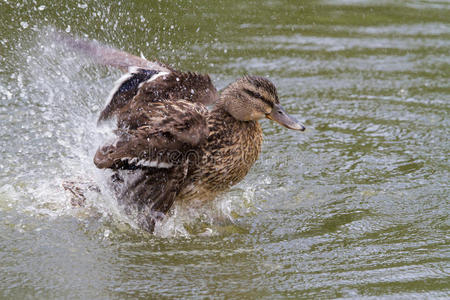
127,87
153,160
155,136
148,194
152,80
144,85
108,56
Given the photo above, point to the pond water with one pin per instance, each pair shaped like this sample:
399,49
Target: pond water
357,206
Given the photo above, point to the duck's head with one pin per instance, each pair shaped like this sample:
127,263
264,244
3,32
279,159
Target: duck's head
253,98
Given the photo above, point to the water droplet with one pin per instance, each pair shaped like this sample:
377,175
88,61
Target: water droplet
24,24
68,29
42,7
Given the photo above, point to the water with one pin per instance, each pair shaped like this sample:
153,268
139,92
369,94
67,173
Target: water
357,206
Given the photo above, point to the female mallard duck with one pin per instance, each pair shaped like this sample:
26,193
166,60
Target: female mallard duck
168,146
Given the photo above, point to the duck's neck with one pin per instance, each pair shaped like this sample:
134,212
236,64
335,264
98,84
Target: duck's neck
248,131
221,105
236,109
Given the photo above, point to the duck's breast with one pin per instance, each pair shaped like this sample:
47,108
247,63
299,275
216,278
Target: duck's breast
229,153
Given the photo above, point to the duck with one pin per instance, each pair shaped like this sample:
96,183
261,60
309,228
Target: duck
176,139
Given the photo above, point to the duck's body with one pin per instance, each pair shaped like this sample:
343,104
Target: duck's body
199,174
168,146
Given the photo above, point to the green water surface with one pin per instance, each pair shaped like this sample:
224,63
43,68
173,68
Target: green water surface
355,207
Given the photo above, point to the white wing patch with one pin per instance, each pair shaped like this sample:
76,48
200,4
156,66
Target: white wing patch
147,163
158,75
154,77
132,71
117,85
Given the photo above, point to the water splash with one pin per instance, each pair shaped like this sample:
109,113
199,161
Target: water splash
56,98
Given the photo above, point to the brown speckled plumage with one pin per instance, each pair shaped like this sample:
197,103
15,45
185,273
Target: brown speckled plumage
227,155
168,146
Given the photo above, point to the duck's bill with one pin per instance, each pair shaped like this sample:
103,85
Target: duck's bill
280,116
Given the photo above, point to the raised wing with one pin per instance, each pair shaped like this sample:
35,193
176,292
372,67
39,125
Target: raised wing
142,86
151,80
127,87
108,56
